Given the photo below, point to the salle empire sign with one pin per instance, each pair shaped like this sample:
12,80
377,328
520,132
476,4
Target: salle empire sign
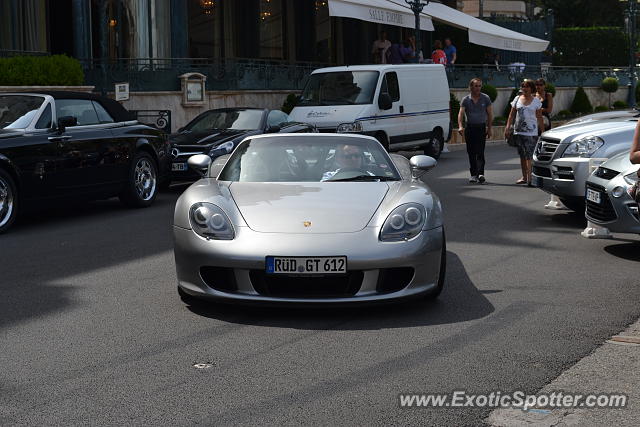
386,17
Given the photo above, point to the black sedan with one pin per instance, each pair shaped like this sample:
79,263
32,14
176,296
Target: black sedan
75,145
217,132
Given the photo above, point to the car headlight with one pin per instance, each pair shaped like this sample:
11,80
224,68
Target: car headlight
224,148
583,147
349,127
403,223
631,178
209,221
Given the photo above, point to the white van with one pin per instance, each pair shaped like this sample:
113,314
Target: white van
403,106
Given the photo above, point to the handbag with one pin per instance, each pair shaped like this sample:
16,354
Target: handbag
511,140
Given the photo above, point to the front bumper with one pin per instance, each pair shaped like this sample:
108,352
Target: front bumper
618,214
564,177
370,263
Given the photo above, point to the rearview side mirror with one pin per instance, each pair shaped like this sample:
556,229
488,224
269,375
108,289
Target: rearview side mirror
421,164
66,121
384,101
199,163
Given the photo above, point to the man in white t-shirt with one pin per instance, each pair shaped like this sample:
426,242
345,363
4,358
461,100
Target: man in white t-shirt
379,49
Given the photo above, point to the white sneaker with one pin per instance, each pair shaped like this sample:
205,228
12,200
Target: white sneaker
473,179
481,179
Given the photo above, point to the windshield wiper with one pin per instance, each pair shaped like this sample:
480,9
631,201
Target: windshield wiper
365,178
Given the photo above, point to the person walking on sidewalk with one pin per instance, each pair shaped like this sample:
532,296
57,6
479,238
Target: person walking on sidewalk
477,109
526,118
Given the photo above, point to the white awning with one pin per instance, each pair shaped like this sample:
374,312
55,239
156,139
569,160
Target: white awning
482,32
396,12
380,12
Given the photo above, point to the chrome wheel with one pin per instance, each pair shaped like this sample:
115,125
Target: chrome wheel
145,179
7,201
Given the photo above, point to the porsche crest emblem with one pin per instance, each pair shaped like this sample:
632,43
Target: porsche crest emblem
307,223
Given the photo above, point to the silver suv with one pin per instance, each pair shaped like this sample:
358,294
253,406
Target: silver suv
565,156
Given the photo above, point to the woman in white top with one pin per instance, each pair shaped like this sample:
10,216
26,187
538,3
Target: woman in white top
526,118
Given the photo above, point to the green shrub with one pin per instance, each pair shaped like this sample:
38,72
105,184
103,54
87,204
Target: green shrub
454,108
620,105
581,103
563,115
610,84
507,108
499,121
54,70
490,91
600,109
590,46
289,103
550,88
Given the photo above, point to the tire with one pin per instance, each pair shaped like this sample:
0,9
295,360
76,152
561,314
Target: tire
383,140
164,185
435,147
141,188
443,270
575,204
8,201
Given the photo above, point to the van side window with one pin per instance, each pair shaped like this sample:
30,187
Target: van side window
392,86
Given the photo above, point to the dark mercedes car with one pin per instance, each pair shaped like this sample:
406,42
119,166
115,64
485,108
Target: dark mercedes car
75,145
217,132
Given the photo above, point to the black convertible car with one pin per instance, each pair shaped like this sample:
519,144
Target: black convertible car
78,145
217,132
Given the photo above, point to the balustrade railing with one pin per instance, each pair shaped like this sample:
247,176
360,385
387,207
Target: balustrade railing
161,74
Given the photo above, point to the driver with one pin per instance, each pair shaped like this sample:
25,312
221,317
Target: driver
349,158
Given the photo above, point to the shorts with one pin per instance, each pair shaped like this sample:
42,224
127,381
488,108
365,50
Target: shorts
526,144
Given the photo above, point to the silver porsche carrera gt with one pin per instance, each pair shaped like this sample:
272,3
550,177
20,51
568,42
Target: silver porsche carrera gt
309,218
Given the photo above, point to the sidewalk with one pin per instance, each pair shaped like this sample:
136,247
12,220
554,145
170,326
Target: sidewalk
612,368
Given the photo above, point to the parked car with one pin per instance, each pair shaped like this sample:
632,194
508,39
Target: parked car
404,107
78,145
608,201
563,158
217,132
606,115
301,218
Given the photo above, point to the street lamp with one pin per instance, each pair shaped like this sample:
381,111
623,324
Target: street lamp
630,18
416,6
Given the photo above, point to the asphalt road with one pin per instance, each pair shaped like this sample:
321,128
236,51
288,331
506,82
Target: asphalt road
92,330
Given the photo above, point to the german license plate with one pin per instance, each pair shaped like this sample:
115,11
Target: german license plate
306,265
179,167
593,196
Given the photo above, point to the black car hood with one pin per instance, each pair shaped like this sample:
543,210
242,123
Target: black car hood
209,138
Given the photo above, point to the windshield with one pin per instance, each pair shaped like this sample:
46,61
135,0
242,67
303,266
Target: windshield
227,119
306,158
17,111
340,88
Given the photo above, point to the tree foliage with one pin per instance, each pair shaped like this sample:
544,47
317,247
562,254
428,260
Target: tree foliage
584,13
590,47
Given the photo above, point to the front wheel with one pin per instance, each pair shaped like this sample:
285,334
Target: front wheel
443,270
434,149
8,201
141,188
